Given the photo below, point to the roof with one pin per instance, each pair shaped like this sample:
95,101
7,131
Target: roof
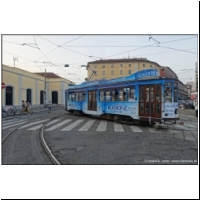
123,60
48,74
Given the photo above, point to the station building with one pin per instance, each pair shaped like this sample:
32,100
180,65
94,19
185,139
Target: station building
24,85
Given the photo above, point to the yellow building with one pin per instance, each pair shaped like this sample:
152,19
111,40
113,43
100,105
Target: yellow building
115,68
23,85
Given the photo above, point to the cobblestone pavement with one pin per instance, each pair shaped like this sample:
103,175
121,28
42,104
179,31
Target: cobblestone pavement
186,128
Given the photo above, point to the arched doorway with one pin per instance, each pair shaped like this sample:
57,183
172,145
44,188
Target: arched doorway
54,97
9,96
28,95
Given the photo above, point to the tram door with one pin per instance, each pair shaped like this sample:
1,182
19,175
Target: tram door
150,100
92,100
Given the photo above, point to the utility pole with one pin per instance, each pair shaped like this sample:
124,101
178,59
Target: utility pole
15,59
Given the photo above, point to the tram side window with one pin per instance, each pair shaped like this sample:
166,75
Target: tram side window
168,94
83,96
108,97
175,94
101,96
77,96
71,96
114,94
131,93
122,94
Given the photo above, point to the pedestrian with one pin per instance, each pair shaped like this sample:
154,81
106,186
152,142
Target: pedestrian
49,107
23,106
28,106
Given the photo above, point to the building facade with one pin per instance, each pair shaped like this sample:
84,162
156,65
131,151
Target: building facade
116,68
23,85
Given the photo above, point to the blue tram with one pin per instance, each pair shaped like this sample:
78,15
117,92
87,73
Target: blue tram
143,97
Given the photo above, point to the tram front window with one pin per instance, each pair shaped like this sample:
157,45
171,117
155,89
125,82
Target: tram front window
168,94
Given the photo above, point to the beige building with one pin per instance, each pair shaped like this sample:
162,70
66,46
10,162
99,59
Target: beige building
24,85
115,68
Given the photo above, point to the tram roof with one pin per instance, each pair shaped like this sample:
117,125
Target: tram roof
149,73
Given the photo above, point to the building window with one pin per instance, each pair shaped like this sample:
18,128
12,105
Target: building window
55,97
151,66
112,72
129,71
121,72
129,65
103,73
96,73
28,95
121,65
95,66
112,65
143,65
41,97
9,96
103,66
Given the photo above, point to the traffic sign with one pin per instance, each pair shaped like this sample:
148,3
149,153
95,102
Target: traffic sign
3,85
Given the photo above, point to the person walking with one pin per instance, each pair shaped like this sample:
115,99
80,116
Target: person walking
49,107
28,106
23,106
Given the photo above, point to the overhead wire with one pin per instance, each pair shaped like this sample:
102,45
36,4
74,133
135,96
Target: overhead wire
57,46
148,46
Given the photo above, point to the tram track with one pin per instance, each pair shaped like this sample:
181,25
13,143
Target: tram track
41,135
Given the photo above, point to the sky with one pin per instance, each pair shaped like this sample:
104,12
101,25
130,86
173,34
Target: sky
78,20
35,53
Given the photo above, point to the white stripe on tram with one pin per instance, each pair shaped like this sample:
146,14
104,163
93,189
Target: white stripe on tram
87,125
13,125
71,126
136,129
118,127
102,126
58,125
38,122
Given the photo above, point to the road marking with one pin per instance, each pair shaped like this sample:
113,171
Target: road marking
58,125
102,126
13,125
38,122
118,127
52,122
136,129
13,122
35,127
87,125
71,126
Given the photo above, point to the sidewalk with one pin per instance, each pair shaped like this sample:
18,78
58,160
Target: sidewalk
188,113
36,110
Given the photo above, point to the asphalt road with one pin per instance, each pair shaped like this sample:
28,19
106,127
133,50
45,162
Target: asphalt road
80,140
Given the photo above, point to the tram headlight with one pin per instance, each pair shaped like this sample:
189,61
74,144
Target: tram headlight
166,114
176,111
